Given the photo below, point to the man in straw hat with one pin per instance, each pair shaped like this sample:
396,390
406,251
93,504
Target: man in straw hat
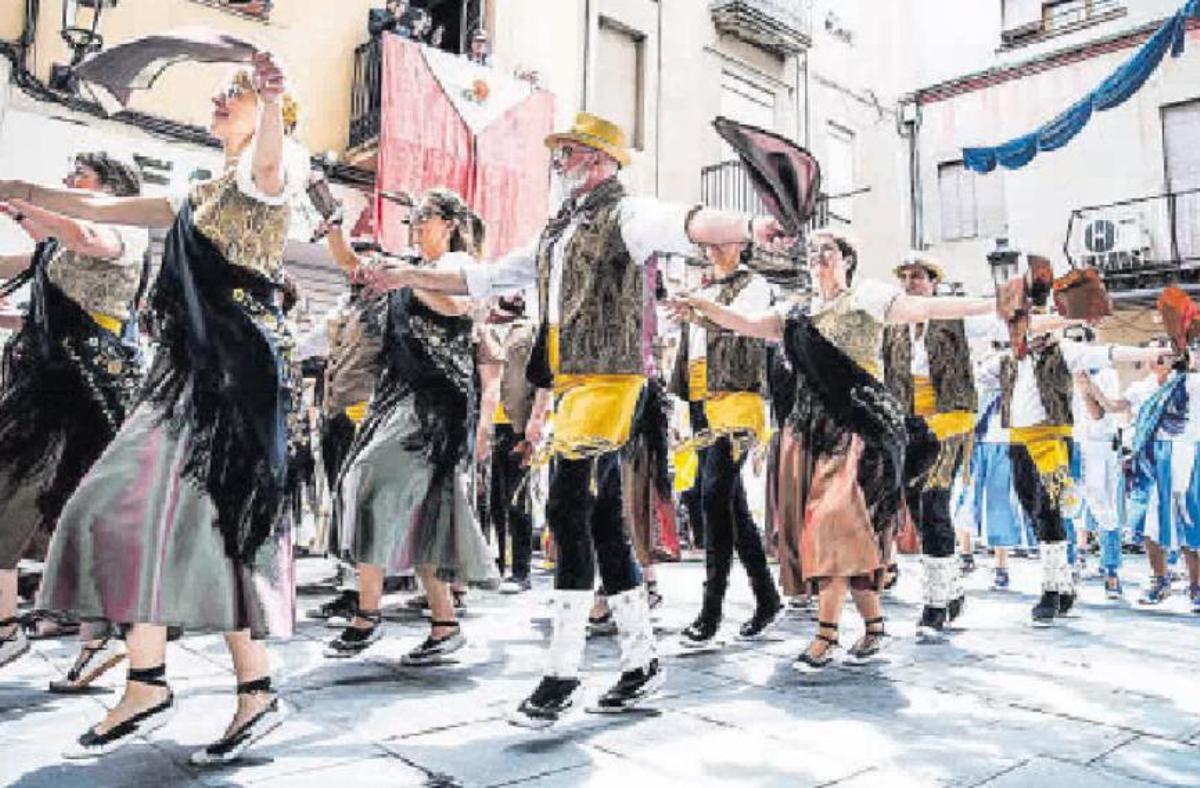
588,364
928,367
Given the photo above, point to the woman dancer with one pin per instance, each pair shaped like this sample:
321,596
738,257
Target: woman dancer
68,378
401,505
180,520
852,447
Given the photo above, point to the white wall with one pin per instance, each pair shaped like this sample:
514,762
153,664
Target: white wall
1119,155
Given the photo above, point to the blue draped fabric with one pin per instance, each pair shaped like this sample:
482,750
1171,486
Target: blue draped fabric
1164,414
1112,92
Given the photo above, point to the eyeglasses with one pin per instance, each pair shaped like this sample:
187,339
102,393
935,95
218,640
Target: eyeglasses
425,213
817,254
230,93
563,154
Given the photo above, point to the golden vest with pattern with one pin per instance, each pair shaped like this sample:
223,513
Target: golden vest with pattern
949,365
1053,384
735,363
603,289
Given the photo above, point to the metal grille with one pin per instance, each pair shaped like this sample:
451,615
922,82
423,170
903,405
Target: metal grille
366,98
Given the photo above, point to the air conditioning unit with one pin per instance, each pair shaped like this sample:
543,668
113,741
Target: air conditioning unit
1115,243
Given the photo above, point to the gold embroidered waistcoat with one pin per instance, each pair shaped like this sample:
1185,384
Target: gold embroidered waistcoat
852,330
248,233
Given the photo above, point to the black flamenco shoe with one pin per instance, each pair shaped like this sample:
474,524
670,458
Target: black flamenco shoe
231,746
92,744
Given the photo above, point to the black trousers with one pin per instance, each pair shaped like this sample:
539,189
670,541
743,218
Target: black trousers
337,433
692,499
584,512
1037,502
729,525
509,512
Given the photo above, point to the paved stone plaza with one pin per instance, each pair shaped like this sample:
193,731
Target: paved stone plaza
1111,697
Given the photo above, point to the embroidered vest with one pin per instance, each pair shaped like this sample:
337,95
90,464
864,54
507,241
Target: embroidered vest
603,289
735,363
949,365
1053,384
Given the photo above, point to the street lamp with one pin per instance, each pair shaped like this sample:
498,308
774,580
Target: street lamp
1004,262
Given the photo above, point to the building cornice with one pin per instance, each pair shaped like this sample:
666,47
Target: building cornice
1049,61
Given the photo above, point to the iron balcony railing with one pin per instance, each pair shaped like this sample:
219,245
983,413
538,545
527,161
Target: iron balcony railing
366,97
1063,18
1139,244
727,187
780,26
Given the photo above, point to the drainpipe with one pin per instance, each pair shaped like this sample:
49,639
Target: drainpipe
587,53
658,103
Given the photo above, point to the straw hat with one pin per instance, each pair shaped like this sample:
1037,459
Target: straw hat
924,261
597,133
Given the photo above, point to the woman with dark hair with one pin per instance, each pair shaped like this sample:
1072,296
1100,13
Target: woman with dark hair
69,374
400,504
850,432
180,520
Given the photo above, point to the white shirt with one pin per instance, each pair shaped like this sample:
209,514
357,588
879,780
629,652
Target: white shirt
976,327
648,226
1026,408
1105,427
754,299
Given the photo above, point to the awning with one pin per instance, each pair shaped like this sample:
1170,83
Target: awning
1112,92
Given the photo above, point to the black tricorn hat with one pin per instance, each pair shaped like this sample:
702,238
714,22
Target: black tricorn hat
786,176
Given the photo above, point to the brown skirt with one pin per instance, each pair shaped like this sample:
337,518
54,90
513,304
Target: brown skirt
825,516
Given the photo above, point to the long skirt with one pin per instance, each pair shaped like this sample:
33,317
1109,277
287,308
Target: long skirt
138,543
837,536
397,509
999,518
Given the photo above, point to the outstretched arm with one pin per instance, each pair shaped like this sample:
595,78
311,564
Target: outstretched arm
81,237
267,161
919,309
765,325
149,212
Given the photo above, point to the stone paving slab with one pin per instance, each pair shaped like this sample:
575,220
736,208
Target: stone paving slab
1110,697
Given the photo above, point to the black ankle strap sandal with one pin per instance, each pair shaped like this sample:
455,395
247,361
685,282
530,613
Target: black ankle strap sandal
155,677
256,687
871,622
833,641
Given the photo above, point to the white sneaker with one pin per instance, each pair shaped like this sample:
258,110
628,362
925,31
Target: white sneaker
513,586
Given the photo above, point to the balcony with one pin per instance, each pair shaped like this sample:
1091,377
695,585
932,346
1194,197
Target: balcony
1139,245
1061,18
366,97
782,27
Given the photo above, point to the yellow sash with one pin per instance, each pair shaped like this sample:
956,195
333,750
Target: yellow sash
107,322
500,416
697,380
357,412
593,413
1047,446
736,411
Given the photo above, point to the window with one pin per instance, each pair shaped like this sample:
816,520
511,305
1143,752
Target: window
620,55
972,205
1181,125
837,176
745,102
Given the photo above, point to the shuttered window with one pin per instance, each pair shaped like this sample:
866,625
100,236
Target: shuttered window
972,206
620,61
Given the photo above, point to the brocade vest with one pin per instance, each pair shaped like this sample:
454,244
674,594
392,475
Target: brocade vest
735,363
949,365
603,289
1053,384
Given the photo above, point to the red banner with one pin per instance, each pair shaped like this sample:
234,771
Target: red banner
502,170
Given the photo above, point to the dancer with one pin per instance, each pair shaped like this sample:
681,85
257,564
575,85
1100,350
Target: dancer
1099,411
1163,454
851,431
70,374
508,339
725,372
588,361
1035,406
181,521
928,368
352,369
401,504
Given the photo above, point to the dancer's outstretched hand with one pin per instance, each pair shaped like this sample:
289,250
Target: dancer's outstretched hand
384,276
682,308
769,234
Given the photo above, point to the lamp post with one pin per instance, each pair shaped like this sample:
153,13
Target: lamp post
1004,262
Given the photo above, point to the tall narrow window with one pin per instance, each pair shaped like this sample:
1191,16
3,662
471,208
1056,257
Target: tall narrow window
838,174
972,206
620,58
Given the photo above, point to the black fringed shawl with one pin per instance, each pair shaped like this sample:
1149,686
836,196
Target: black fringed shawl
835,399
215,333
66,385
430,357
